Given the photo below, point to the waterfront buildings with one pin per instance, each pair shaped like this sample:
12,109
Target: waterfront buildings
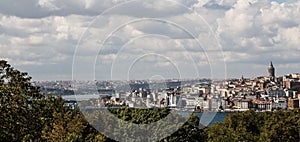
264,93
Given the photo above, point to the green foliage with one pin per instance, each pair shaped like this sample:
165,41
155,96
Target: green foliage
63,124
27,115
189,130
19,105
253,126
140,116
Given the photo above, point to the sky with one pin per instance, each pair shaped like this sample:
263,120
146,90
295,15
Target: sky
150,39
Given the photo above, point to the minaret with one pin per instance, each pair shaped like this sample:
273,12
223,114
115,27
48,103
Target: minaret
271,70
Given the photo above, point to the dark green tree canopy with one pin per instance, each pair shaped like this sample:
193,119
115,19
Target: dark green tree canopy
19,104
280,126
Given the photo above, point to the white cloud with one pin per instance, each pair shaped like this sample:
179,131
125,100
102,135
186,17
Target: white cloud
260,26
46,32
48,4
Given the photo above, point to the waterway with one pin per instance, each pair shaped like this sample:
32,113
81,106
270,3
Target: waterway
209,118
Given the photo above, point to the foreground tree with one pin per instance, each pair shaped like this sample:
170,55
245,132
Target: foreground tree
28,115
188,131
20,103
252,126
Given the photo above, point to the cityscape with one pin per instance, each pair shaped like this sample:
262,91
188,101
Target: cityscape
150,70
242,109
263,93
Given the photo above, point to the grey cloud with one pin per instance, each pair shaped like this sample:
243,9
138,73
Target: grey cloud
149,9
268,36
34,9
21,8
59,71
217,6
166,29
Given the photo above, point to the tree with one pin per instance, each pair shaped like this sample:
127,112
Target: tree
189,131
252,126
28,115
19,105
62,123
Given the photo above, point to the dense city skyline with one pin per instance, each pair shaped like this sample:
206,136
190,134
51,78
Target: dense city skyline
150,39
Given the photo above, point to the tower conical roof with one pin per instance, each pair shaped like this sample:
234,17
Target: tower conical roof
271,65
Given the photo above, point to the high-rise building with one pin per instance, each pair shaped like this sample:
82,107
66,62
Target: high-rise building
271,70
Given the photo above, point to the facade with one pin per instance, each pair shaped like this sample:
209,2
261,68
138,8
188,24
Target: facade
293,103
281,103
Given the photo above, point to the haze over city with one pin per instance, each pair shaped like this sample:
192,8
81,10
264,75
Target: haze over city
143,39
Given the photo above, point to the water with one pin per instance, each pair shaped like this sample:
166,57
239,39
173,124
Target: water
210,118
80,97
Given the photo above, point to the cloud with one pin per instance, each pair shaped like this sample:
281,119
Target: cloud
45,33
46,8
254,27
